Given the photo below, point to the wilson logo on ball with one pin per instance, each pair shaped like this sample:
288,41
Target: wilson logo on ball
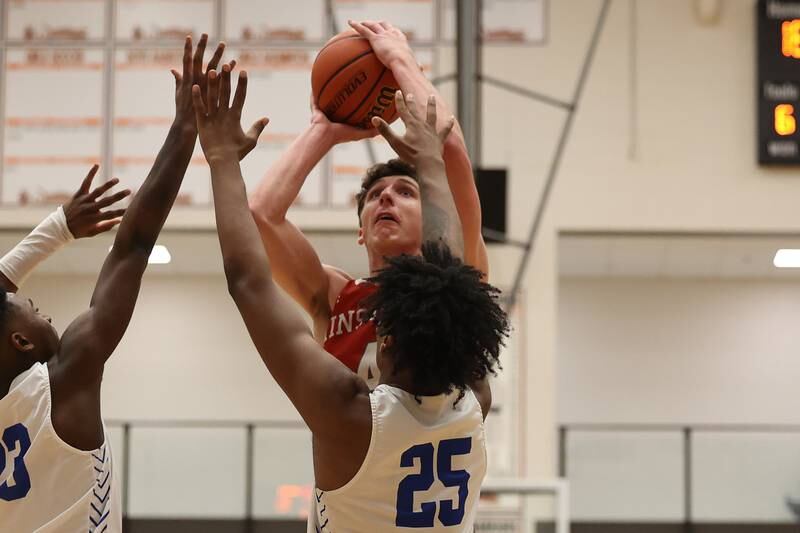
385,100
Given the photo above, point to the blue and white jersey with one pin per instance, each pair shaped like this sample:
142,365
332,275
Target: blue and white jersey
46,485
423,470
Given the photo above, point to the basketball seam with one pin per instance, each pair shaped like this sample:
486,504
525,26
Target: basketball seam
353,112
340,40
325,85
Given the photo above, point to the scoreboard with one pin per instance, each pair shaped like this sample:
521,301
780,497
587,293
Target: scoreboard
778,105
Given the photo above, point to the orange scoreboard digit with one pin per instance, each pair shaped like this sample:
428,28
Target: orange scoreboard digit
778,33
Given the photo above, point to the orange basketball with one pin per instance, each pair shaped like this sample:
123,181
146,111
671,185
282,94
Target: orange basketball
350,84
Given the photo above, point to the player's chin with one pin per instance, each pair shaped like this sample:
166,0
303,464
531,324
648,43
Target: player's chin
395,244
385,239
386,230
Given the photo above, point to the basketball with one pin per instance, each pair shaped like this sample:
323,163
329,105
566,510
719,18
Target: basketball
349,83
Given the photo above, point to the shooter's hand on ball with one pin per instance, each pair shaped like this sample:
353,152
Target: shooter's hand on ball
389,43
335,132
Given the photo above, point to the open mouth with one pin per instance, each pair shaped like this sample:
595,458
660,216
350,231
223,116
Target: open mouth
386,217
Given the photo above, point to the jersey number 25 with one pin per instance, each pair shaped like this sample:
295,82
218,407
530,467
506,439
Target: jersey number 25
448,514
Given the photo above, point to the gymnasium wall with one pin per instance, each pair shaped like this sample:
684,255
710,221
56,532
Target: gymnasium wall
688,352
680,394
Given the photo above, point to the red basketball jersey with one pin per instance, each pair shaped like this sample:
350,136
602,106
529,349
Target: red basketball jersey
351,335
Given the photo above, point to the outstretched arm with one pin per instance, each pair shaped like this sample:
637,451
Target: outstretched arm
92,337
300,366
421,146
296,267
391,47
80,217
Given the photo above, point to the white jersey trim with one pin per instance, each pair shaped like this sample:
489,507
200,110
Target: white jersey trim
364,462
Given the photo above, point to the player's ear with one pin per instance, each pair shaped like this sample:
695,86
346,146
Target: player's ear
384,361
361,236
386,343
21,343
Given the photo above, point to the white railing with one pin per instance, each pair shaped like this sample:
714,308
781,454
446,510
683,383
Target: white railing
558,488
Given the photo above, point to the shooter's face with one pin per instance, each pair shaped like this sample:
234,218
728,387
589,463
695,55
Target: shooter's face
391,220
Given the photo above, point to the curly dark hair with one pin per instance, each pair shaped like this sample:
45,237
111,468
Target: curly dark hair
446,322
393,167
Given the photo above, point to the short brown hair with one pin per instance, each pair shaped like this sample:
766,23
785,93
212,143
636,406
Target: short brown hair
393,167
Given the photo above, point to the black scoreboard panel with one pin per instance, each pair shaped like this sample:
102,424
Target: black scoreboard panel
778,90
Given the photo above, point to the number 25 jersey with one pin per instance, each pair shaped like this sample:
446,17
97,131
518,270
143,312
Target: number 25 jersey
423,470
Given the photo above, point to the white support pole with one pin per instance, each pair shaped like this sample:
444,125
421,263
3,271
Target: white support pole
559,488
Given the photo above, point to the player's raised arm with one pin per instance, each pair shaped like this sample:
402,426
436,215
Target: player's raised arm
421,145
300,366
93,336
391,47
81,217
295,265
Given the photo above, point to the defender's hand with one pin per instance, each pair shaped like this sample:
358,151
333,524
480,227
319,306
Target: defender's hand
193,74
219,124
421,140
83,212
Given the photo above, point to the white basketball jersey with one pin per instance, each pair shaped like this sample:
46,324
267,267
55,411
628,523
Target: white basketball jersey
424,468
46,485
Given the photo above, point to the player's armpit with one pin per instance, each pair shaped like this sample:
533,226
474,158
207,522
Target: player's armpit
483,391
76,373
337,279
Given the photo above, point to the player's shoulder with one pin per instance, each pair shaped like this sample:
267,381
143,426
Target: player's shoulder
338,281
35,376
338,273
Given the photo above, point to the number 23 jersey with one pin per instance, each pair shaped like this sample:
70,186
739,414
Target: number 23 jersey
46,485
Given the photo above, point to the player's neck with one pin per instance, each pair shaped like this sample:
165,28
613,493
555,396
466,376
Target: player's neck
8,373
376,263
5,382
402,385
404,380
377,258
